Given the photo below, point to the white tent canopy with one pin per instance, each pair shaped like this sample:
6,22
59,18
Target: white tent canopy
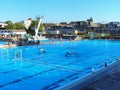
12,32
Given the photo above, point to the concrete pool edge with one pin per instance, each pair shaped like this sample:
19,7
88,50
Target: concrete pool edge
88,79
7,46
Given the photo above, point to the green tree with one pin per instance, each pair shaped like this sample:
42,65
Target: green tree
41,27
10,25
31,29
19,25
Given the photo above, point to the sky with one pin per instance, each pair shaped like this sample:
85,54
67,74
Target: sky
60,10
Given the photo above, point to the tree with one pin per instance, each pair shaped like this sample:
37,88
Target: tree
41,27
19,25
10,25
31,29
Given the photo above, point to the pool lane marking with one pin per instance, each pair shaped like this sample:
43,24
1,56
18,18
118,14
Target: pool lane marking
17,69
30,76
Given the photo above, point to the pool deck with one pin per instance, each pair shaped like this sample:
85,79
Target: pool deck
26,44
7,46
14,45
107,78
110,81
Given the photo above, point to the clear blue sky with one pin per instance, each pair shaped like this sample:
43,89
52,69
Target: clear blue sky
60,10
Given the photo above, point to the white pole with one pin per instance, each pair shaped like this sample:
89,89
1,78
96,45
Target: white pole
37,29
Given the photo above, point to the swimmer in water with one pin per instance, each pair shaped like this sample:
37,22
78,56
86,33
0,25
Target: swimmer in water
42,50
68,53
69,47
72,54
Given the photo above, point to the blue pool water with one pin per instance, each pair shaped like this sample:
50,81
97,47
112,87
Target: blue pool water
2,42
55,40
26,67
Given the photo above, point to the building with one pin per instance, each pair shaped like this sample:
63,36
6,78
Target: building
90,22
79,25
8,34
67,30
27,23
111,28
61,28
3,25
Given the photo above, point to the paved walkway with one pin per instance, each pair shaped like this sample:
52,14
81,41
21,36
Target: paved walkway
111,81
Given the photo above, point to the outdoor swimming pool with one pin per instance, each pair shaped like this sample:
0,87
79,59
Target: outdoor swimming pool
2,43
26,67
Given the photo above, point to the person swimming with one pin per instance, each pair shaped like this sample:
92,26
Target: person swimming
42,50
71,54
69,48
16,56
60,39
